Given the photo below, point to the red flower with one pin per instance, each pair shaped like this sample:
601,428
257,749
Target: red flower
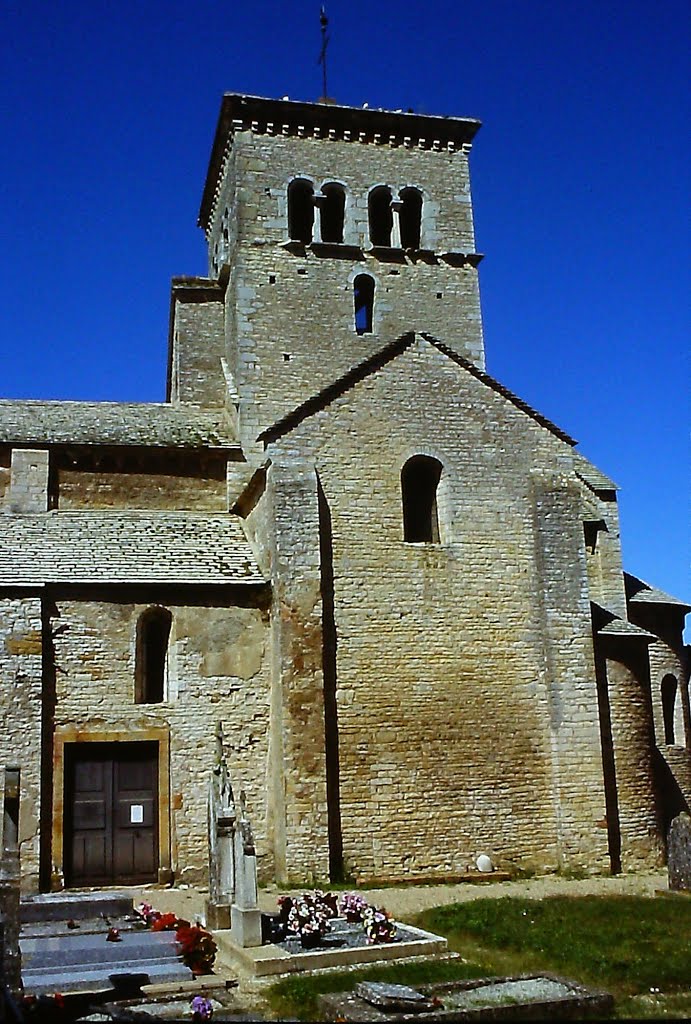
166,923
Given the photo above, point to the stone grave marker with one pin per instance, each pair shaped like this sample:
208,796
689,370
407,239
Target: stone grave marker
679,854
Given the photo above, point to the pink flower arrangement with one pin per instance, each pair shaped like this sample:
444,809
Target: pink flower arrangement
378,925
309,916
353,906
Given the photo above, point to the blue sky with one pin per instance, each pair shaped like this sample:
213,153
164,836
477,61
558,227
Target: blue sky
580,183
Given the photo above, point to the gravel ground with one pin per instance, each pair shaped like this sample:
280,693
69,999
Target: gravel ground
406,901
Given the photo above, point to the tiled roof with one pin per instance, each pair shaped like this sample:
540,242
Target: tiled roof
150,424
591,475
125,547
607,623
618,627
642,593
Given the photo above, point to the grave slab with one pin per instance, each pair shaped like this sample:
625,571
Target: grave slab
271,959
679,854
520,997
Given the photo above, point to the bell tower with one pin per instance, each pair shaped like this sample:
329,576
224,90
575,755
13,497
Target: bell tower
333,231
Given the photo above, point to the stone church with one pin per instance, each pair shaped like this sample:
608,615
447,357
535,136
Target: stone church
395,587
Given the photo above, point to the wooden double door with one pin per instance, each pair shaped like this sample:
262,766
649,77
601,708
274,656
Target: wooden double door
111,813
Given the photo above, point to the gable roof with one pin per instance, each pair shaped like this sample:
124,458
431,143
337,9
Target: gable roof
141,424
125,547
368,366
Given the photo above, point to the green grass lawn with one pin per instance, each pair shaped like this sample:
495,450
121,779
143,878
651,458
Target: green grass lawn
638,949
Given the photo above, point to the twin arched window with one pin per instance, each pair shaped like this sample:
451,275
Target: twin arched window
151,655
331,202
302,200
381,207
419,481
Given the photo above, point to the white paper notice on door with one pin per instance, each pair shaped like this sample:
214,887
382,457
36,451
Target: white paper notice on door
136,814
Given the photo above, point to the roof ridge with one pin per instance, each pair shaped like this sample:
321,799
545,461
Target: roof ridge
337,387
379,359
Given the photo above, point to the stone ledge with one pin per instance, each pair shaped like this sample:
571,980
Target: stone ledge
261,961
470,877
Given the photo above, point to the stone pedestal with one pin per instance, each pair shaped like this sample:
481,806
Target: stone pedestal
217,915
245,926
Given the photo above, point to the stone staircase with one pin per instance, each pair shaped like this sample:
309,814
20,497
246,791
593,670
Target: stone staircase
57,958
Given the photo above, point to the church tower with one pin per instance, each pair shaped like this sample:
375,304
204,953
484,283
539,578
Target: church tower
331,232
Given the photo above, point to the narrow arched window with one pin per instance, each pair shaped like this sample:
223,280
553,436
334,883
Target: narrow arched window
153,635
363,294
419,481
300,210
410,217
380,215
332,213
668,692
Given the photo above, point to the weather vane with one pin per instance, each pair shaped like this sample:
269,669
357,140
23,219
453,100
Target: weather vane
324,22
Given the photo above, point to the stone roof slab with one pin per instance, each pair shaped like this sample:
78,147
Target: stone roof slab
639,592
125,548
140,424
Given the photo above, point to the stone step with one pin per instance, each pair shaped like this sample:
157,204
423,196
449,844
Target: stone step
105,976
61,906
93,948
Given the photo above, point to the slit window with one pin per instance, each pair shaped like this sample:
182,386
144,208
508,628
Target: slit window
363,294
668,693
300,210
332,213
151,668
419,482
380,216
410,217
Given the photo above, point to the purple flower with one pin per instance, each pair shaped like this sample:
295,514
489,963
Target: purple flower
201,1009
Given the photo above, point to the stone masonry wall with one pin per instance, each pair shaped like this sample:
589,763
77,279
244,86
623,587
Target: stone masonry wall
297,723
263,166
578,788
444,687
633,739
290,316
667,658
20,713
665,661
197,376
205,492
29,480
605,577
218,670
5,456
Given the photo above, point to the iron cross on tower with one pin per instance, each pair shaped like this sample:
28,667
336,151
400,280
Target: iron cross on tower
324,22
